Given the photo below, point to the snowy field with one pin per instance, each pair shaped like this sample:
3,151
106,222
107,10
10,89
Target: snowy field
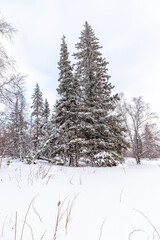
47,202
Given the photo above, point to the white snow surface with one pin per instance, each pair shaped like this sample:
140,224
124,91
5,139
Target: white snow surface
118,203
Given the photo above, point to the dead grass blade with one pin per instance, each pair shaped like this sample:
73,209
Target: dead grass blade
101,229
15,232
155,229
68,212
25,219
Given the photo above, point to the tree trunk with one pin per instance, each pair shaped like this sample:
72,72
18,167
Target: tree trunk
138,160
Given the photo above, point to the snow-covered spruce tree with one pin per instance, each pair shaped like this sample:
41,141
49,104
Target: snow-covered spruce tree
46,111
48,149
102,132
37,116
46,129
67,141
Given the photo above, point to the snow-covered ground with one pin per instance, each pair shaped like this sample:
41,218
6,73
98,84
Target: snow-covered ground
118,203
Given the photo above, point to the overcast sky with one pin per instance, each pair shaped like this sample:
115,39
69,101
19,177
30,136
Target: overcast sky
128,30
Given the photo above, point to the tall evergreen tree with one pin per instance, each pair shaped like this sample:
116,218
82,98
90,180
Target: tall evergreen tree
37,115
46,111
46,129
102,129
67,109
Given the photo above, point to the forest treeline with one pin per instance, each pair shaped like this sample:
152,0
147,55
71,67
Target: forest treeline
88,123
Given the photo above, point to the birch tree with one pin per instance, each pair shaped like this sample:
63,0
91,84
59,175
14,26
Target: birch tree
135,116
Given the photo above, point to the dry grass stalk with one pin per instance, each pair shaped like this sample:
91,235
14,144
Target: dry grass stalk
25,219
134,231
18,176
15,232
49,177
124,171
154,234
30,177
3,226
70,181
101,229
69,211
38,172
60,214
45,172
36,212
42,171
43,234
80,180
30,229
154,228
121,195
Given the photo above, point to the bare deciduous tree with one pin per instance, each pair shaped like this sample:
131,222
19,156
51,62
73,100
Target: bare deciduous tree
6,29
11,92
7,80
136,115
